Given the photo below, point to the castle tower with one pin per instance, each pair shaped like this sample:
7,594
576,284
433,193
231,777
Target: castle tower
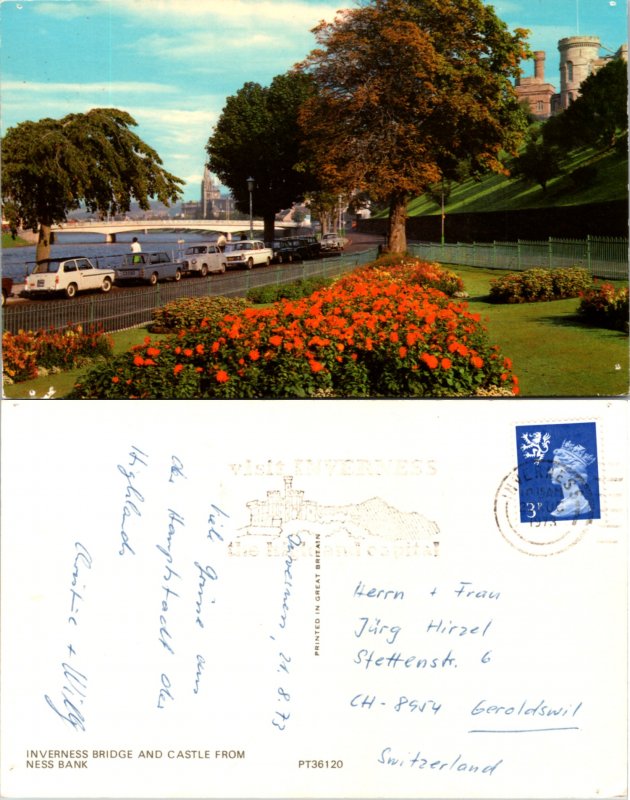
578,57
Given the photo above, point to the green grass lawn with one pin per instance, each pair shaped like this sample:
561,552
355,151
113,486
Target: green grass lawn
554,353
9,241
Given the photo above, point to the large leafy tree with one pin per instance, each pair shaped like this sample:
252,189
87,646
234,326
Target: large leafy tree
257,136
406,90
598,116
51,166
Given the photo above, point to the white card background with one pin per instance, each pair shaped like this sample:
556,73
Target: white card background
235,652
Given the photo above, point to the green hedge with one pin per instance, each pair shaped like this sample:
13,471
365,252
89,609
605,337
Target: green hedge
536,285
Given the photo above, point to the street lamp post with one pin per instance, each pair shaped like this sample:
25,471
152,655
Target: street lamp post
250,187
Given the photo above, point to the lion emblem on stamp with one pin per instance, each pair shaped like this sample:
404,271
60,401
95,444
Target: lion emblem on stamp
535,445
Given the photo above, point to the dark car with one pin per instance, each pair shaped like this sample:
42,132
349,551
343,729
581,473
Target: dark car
7,287
285,251
308,247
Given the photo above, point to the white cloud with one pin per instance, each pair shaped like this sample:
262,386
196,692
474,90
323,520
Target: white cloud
215,14
121,87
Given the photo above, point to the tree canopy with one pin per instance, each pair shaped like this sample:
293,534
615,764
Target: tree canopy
257,136
406,91
598,116
52,166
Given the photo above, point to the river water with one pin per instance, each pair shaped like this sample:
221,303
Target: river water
18,261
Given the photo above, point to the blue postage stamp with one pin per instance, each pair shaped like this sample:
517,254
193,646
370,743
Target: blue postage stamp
558,476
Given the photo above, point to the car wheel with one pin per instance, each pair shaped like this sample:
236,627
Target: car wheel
153,279
250,263
204,270
222,270
71,290
268,261
178,274
106,285
279,258
4,298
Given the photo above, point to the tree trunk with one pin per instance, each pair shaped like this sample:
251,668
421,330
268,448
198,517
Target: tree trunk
270,227
396,224
43,241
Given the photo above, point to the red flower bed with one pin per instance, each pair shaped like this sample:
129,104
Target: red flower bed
371,334
27,353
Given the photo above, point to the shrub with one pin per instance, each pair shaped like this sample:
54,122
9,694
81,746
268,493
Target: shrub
536,285
365,336
26,354
606,306
289,291
188,312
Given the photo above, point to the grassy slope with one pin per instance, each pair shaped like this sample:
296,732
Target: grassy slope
497,193
9,241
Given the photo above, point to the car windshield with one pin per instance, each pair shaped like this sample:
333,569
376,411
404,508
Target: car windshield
46,266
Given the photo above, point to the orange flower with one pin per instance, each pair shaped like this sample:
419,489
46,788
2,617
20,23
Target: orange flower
275,340
188,352
199,349
115,379
429,360
222,376
178,350
177,369
153,351
215,347
138,361
393,337
477,362
316,366
402,352
254,355
446,363
149,362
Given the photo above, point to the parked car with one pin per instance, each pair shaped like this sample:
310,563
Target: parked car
331,242
285,251
148,268
200,259
308,247
247,253
68,276
7,287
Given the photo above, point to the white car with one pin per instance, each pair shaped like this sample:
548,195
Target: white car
331,241
68,276
200,259
247,253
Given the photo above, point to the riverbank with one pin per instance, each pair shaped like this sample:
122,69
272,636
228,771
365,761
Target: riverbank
20,241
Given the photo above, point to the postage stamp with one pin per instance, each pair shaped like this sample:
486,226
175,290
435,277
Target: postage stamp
558,476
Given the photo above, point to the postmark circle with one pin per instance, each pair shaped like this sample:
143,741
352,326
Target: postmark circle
546,538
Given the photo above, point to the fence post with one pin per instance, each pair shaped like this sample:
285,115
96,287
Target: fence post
588,254
518,255
550,253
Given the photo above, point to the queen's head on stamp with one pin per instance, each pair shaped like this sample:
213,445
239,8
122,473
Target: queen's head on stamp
570,471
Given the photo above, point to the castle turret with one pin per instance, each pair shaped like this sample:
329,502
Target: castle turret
578,57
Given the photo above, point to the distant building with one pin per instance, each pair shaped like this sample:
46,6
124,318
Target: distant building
579,58
191,210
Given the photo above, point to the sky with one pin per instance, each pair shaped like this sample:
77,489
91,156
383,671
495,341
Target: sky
172,63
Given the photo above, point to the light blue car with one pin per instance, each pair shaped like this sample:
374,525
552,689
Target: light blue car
148,268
